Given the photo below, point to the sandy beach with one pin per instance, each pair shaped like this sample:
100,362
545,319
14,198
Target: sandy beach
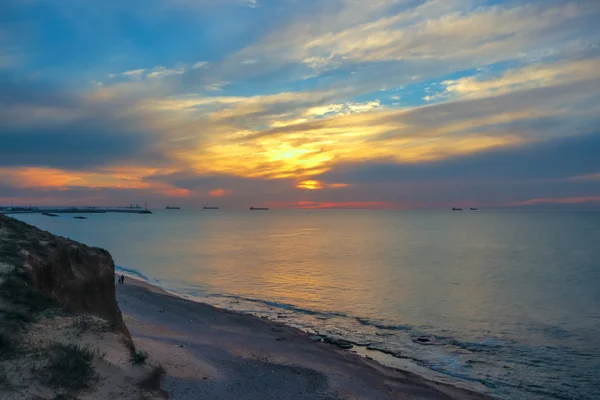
218,354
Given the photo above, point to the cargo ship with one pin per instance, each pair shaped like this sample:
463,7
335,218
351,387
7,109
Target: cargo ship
258,208
172,208
210,208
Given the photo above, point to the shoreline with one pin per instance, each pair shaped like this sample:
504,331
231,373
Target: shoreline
210,342
383,357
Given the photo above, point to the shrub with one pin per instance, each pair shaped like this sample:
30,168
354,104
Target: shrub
7,345
138,357
71,366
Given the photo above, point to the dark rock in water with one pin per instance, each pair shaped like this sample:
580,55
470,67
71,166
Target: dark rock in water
344,344
341,343
49,214
80,217
424,341
385,351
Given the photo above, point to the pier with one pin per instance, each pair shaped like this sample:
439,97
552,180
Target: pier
72,210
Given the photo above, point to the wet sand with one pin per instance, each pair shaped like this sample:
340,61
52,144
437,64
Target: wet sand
210,353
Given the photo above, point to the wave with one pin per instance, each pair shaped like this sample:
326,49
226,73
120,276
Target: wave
284,306
379,325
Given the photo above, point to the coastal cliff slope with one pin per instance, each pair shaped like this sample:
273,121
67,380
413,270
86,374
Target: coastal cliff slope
62,335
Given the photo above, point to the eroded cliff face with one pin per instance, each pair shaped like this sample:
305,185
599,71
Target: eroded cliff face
78,278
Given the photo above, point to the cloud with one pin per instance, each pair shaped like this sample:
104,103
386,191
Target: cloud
559,200
46,126
219,192
552,161
305,134
62,180
290,102
529,77
587,177
158,71
200,64
317,185
428,38
248,3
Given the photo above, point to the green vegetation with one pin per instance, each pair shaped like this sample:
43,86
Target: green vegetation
138,357
70,366
7,345
16,287
15,320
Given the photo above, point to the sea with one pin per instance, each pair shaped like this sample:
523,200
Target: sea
504,301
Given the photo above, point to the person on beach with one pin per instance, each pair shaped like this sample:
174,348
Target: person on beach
122,279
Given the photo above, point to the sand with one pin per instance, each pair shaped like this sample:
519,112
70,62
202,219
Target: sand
210,353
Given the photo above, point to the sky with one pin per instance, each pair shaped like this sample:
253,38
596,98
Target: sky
300,103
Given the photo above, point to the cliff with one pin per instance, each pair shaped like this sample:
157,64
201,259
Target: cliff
61,329
78,278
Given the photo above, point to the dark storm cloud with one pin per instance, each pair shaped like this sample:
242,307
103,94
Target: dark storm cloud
42,125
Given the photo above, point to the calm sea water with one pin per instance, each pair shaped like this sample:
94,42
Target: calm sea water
510,300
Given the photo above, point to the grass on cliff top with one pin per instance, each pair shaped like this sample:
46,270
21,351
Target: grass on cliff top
138,357
15,283
17,288
70,366
7,345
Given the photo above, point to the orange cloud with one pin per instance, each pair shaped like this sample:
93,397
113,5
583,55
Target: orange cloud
316,185
117,178
176,192
219,192
310,185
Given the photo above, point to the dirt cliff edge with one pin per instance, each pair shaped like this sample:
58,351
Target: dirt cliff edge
62,335
79,278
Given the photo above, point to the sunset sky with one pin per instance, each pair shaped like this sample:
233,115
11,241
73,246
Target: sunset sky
300,103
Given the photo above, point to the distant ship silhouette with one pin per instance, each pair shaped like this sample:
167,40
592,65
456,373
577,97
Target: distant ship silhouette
259,208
